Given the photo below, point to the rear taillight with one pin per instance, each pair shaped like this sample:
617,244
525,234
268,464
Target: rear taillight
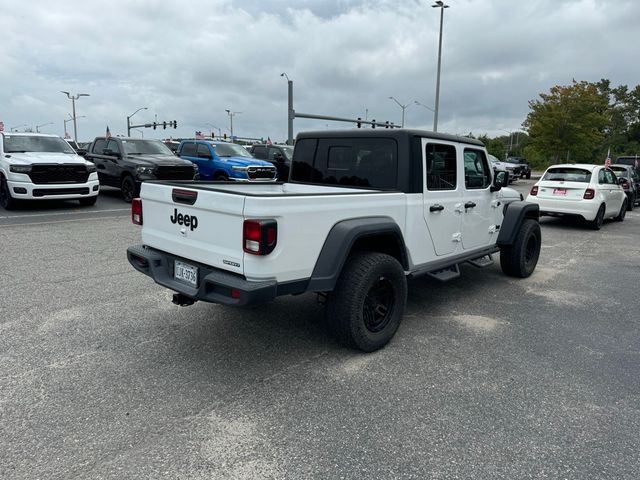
136,211
589,194
534,190
259,237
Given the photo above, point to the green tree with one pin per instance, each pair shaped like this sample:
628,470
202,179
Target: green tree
569,122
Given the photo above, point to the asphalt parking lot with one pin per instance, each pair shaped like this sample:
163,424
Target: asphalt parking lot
488,377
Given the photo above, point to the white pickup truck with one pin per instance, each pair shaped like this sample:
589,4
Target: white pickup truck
362,211
38,166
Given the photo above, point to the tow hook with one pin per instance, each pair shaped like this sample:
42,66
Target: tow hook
182,300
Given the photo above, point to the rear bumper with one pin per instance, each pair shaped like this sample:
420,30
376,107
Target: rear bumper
587,209
214,285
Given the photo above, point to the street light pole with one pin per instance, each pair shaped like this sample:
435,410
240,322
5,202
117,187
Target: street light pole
217,128
129,120
73,99
231,114
290,111
441,5
423,105
403,107
43,125
66,135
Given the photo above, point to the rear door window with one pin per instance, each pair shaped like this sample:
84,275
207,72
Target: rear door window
259,152
441,166
99,146
567,174
203,151
188,150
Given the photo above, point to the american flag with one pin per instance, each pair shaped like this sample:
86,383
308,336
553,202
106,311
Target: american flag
607,162
199,135
108,134
269,142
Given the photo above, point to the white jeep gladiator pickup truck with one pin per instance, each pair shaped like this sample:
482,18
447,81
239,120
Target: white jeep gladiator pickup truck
361,212
38,166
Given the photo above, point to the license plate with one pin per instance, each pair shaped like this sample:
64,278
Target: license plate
186,273
559,191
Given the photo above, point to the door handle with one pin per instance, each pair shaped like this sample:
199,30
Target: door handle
436,208
469,205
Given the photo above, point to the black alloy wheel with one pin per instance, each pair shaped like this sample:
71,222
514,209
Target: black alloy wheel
378,305
128,188
596,224
6,200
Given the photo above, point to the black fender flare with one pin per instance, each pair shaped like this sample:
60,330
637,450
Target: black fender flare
514,215
341,239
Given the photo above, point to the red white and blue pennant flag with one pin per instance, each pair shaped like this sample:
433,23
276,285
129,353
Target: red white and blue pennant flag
199,135
607,162
108,134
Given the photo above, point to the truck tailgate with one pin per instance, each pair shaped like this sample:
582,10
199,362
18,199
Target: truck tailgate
208,231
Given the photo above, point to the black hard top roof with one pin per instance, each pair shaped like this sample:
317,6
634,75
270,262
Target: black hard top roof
396,133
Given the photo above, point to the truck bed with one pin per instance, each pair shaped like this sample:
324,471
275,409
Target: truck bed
221,208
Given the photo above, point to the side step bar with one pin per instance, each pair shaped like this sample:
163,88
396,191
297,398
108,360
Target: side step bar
482,262
445,274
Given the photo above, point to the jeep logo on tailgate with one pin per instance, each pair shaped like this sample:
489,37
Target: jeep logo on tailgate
190,221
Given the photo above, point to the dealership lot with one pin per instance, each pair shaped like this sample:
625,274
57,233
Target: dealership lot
488,376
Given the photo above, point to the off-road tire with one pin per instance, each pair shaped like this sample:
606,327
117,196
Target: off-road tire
623,212
365,308
88,201
596,223
520,259
6,200
128,188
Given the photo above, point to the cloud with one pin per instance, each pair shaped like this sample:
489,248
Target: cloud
190,63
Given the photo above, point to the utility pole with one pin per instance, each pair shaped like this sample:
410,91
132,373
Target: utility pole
290,112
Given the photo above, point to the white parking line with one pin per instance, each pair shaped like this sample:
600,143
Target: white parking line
74,212
59,221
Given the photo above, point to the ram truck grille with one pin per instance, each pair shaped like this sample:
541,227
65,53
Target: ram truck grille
175,172
49,174
261,173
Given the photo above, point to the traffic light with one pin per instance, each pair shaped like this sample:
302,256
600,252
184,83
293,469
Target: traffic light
386,124
154,125
373,123
358,122
175,124
164,125
212,135
225,136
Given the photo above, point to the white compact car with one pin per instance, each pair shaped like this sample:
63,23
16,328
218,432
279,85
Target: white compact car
583,190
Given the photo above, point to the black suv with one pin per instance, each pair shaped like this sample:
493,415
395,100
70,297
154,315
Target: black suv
279,155
525,171
125,163
632,161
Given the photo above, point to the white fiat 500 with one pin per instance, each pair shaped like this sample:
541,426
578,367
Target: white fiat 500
583,190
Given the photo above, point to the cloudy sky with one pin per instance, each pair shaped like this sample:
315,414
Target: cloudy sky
192,60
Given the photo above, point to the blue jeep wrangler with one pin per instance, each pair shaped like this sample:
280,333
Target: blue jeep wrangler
226,161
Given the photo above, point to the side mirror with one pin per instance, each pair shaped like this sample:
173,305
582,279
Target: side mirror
501,179
278,157
622,181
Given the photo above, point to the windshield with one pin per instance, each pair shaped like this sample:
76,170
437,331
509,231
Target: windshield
493,159
28,143
231,150
145,147
516,160
567,175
